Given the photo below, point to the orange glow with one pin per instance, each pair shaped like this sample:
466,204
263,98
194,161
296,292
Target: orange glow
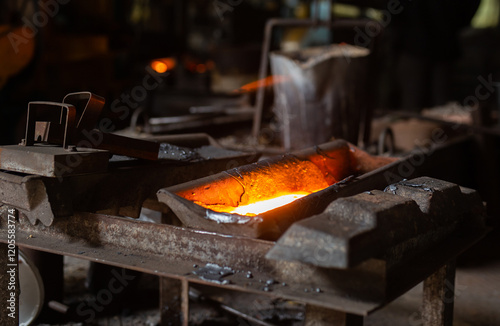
200,68
262,190
266,205
268,81
159,67
162,65
210,65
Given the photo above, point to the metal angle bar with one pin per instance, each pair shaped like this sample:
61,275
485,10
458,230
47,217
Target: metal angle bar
170,251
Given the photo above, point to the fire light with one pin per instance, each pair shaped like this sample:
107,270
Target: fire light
266,82
162,65
266,205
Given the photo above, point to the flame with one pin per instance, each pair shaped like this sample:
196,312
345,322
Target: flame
162,65
268,81
266,205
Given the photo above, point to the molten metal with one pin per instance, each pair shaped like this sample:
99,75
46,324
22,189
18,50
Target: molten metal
266,205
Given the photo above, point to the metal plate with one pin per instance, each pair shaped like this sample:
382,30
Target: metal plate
52,161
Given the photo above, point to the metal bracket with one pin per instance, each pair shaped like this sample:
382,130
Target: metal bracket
53,113
88,108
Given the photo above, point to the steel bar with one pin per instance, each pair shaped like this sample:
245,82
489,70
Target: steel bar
439,296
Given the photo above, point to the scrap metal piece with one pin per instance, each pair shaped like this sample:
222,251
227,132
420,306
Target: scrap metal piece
411,216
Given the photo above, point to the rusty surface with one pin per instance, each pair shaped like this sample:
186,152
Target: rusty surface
44,199
72,123
29,194
176,252
174,302
198,203
266,46
334,100
53,161
439,297
353,229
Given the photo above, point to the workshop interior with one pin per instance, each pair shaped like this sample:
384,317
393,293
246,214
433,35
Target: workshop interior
248,162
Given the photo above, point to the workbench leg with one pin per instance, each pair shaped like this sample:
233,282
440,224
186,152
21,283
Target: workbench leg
319,316
174,302
439,295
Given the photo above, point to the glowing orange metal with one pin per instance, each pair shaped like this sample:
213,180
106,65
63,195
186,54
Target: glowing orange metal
266,205
163,65
265,190
268,81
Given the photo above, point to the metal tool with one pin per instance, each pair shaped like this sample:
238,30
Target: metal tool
88,108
